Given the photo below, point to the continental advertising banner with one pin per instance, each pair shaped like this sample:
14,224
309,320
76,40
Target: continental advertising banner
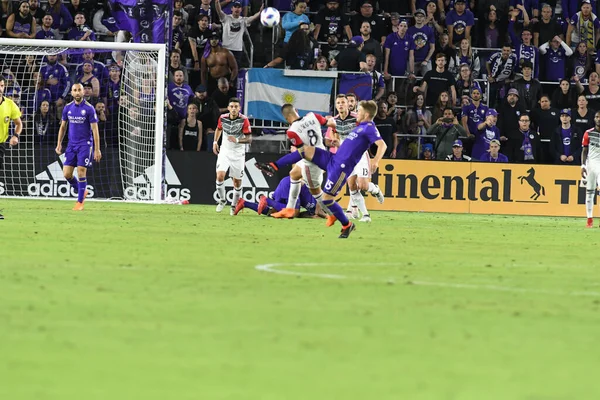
480,188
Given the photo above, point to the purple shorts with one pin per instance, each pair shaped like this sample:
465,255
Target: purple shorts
337,174
79,155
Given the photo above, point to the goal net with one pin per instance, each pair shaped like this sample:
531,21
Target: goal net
125,82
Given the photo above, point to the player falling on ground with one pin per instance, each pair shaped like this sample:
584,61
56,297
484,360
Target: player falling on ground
340,165
84,142
302,131
361,176
8,112
590,166
236,131
279,200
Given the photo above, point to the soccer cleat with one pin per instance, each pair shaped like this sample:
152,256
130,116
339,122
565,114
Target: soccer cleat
330,220
590,223
268,168
232,211
220,206
78,207
239,206
285,213
365,218
262,205
346,230
379,195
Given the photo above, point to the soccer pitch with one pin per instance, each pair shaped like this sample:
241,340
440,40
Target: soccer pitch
126,301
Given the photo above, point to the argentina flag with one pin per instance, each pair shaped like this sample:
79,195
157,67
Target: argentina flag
268,89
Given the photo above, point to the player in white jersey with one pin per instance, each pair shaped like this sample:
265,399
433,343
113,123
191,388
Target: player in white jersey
236,131
590,166
360,179
305,130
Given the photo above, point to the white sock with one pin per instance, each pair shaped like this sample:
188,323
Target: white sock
589,203
319,199
350,205
221,191
359,200
237,192
374,190
295,187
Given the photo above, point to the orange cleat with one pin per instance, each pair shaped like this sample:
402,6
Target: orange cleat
239,206
285,213
78,207
330,220
590,223
262,205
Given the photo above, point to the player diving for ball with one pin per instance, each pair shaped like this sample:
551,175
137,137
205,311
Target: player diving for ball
279,200
340,165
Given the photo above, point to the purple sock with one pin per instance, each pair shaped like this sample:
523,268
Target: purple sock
73,182
337,211
288,159
276,205
81,189
254,206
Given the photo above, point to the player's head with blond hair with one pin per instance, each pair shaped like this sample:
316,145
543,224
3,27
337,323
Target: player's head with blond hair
289,113
367,110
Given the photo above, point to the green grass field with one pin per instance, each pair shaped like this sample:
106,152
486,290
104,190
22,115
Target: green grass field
130,301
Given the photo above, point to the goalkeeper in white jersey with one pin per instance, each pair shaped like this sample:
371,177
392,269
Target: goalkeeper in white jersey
590,166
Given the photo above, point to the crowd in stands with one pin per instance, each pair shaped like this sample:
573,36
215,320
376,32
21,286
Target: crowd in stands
531,90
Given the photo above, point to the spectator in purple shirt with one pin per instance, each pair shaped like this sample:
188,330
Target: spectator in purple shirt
493,155
62,19
179,94
565,143
21,23
486,132
46,31
397,47
459,23
423,44
555,55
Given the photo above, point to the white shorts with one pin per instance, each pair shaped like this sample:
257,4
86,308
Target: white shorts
234,163
593,173
311,174
363,168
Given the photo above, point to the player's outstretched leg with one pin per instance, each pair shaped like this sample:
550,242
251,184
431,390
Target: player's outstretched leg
239,206
272,167
263,206
374,190
338,212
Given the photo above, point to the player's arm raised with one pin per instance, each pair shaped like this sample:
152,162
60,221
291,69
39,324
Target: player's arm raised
61,136
96,134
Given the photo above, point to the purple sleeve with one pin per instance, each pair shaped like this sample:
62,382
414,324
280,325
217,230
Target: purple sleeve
470,20
597,23
66,17
449,19
92,117
373,134
513,36
574,19
389,41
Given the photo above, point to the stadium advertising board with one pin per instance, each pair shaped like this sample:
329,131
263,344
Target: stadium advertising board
480,188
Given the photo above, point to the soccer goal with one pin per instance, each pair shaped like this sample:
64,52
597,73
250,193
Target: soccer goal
125,83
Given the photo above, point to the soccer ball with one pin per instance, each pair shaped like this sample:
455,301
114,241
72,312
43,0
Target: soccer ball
270,17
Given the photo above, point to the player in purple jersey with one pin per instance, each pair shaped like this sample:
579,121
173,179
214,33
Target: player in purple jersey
84,140
339,166
279,199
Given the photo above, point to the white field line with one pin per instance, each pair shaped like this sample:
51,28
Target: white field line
277,268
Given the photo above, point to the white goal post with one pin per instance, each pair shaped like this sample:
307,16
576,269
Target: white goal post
140,59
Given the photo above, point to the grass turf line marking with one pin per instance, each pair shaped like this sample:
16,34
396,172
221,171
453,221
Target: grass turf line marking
276,268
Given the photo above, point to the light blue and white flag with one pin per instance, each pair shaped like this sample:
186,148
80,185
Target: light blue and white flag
268,89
